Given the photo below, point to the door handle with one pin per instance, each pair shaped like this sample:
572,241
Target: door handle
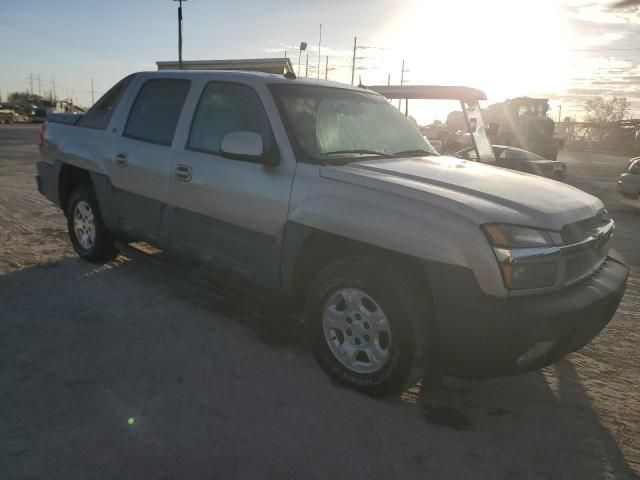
121,160
183,172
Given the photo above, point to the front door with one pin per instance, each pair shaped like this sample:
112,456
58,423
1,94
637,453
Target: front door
230,211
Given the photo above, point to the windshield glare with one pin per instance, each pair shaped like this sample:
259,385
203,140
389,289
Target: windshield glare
337,124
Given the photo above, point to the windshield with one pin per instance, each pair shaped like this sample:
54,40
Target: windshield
335,125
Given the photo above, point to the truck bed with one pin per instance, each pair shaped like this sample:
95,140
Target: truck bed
66,118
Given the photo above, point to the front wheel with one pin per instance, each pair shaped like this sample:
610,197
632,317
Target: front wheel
366,325
90,238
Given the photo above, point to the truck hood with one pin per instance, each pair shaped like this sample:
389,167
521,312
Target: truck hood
480,193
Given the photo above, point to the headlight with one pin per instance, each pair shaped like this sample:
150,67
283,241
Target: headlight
514,236
527,256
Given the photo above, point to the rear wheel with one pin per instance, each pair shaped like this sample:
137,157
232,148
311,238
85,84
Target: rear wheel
90,238
366,326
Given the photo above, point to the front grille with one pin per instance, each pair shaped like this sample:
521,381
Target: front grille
579,231
583,260
582,264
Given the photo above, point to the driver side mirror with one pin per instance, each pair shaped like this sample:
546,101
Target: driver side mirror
247,146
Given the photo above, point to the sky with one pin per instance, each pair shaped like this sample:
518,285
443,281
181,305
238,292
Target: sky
567,51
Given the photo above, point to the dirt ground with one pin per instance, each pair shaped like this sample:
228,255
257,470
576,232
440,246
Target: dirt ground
140,369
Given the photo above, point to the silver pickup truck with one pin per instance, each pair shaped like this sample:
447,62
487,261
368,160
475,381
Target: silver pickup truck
326,197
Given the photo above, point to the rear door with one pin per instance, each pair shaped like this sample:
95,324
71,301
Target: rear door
140,169
228,210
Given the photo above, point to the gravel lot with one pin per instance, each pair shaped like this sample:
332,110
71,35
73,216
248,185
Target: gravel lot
138,369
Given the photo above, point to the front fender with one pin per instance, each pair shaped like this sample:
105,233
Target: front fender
394,223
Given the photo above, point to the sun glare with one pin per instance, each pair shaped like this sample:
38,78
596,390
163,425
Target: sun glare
505,48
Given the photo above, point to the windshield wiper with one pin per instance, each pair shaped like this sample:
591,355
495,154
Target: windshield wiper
358,151
414,152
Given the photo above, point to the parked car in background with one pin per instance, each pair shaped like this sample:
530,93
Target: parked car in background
331,201
521,160
38,115
629,182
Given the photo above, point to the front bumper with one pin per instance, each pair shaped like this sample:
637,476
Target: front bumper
479,336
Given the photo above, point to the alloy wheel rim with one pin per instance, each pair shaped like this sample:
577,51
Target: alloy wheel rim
357,330
84,225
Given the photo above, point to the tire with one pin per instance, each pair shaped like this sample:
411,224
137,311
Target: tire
91,240
386,357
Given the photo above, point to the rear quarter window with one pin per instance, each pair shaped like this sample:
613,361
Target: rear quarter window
154,115
100,114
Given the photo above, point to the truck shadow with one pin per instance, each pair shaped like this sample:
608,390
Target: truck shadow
143,330
540,418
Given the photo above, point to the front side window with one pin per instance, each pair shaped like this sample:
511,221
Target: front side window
332,124
100,114
224,108
155,113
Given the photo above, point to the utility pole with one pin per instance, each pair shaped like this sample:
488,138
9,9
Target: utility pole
31,82
92,93
319,46
39,86
326,68
53,88
353,62
559,113
303,46
306,69
389,80
401,82
180,31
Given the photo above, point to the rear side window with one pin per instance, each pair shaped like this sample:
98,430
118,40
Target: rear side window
100,114
154,115
223,108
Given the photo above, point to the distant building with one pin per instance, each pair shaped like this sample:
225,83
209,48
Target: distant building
267,65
